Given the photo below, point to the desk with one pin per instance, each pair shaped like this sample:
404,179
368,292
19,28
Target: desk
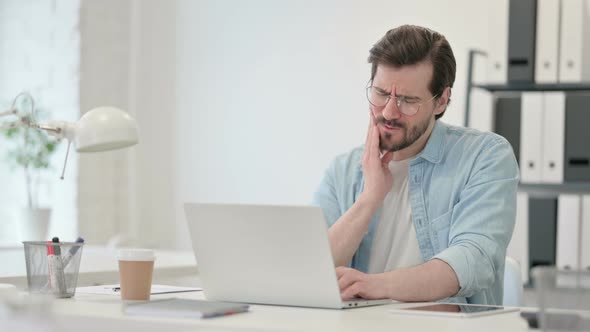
100,313
103,313
99,266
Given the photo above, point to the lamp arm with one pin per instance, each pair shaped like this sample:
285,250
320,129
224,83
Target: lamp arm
31,100
11,111
58,129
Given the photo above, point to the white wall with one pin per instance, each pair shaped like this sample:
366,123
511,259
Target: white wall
268,92
242,101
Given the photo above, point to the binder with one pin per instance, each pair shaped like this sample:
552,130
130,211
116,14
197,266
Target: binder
553,141
574,53
507,116
518,246
568,227
585,234
482,101
567,244
547,35
541,232
498,36
521,40
577,137
531,137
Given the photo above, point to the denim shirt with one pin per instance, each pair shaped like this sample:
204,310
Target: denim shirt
463,197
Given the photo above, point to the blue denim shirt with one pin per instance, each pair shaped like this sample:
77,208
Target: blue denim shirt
463,197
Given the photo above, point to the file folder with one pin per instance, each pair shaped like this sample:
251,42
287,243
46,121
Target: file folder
531,137
568,226
498,36
585,234
542,228
577,137
567,244
553,141
547,35
521,40
574,50
507,119
482,101
518,247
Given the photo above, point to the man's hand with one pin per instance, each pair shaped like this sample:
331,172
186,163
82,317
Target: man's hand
378,178
354,283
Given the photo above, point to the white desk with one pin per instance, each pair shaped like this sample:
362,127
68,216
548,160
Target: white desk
104,313
100,313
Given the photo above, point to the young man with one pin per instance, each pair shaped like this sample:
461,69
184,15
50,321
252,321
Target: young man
423,211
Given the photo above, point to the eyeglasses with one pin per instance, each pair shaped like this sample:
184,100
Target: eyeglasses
407,106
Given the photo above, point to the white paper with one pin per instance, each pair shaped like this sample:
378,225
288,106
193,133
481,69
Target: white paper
115,290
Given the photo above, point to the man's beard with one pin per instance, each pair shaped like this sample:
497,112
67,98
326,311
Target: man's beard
411,135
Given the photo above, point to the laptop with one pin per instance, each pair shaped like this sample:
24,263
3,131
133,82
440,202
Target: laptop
266,254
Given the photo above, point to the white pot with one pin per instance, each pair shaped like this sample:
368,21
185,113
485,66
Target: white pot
34,224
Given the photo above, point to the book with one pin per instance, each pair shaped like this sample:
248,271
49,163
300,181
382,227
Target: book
184,308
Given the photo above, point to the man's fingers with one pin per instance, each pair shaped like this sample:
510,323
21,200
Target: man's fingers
350,292
345,281
341,270
367,152
386,158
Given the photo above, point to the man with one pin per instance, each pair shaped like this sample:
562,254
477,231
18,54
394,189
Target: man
424,211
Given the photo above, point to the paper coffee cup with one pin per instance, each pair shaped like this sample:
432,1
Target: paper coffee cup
136,267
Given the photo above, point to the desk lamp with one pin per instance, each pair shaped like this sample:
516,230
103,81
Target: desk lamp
100,129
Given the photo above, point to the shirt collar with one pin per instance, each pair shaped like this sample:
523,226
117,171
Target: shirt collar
433,151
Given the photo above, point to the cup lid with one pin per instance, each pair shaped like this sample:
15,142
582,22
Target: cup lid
136,255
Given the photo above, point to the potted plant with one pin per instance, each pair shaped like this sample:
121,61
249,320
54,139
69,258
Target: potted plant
30,151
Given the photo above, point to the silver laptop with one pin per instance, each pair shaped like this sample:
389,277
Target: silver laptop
266,255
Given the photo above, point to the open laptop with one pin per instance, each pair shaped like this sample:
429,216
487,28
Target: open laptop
266,255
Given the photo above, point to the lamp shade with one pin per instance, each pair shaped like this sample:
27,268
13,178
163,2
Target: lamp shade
105,128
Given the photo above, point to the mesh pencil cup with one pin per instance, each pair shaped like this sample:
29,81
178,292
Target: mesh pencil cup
52,268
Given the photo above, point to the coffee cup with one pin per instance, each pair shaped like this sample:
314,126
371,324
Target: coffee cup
136,267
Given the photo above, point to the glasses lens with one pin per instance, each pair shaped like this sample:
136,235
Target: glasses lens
376,98
408,108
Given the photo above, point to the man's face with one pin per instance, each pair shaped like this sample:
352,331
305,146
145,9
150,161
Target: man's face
399,131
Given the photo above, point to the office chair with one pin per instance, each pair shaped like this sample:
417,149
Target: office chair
513,288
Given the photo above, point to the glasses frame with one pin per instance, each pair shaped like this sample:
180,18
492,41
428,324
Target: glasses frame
398,100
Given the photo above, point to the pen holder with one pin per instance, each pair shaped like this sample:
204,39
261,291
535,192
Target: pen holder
52,268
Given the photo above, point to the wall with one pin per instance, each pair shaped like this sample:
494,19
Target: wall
237,101
270,91
103,184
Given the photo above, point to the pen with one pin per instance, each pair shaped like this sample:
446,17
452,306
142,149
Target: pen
72,252
58,267
50,267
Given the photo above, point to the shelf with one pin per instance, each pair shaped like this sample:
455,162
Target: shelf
534,87
555,189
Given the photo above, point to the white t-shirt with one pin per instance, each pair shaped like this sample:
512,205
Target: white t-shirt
395,244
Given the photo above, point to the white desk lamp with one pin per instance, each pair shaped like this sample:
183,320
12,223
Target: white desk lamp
100,129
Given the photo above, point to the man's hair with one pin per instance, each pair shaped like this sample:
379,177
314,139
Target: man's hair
409,45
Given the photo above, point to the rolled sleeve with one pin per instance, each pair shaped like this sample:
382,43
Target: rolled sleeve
483,220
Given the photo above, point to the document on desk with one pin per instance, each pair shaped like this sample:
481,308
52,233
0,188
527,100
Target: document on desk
116,289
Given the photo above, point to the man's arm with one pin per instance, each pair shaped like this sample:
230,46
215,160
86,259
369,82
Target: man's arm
430,281
348,231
